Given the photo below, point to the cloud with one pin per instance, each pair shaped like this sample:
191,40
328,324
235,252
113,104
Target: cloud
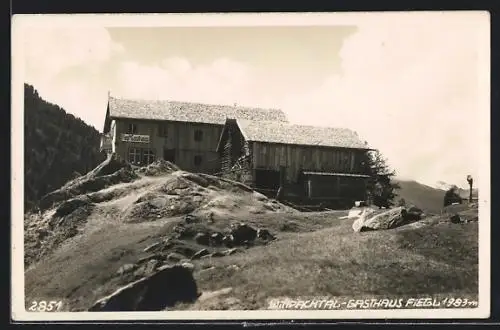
50,50
67,65
409,87
221,81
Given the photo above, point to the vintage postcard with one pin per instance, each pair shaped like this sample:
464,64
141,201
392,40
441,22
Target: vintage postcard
251,166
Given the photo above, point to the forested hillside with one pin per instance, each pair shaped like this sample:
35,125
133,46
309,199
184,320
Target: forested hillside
57,147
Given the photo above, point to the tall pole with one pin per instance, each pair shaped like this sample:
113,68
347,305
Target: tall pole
469,179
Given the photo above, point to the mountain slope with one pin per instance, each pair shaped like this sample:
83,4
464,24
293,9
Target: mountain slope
427,198
117,226
57,147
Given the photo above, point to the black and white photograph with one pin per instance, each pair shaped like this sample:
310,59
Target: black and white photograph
251,166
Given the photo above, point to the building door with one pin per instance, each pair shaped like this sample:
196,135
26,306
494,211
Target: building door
267,179
169,155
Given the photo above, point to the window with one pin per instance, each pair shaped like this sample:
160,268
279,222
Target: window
138,156
197,160
198,135
162,130
148,156
134,156
132,128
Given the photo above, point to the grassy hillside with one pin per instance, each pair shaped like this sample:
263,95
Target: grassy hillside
324,257
437,259
108,233
57,146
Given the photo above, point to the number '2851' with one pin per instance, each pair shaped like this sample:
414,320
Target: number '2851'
45,306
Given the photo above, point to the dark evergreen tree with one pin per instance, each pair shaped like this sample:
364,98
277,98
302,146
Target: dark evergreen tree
452,196
56,145
381,187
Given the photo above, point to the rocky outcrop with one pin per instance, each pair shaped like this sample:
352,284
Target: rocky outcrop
461,214
369,219
158,167
108,173
243,233
164,288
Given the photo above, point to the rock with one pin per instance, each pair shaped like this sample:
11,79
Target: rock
413,213
414,209
151,266
196,179
385,220
455,218
175,256
231,251
184,250
90,182
127,268
265,235
206,270
189,218
147,258
471,215
166,244
188,265
168,286
243,232
183,232
216,239
199,254
158,167
217,254
152,247
247,244
42,233
202,239
158,203
233,267
147,268
228,241
71,205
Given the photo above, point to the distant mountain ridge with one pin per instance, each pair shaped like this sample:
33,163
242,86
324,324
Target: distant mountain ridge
426,197
57,147
442,185
464,192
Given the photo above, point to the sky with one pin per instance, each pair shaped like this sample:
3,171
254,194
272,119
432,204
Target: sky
407,85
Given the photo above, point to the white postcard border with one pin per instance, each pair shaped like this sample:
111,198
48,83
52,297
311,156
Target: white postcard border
237,19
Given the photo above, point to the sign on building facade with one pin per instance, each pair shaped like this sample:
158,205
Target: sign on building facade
135,138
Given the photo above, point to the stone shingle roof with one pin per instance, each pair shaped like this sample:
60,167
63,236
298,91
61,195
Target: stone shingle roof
287,133
188,112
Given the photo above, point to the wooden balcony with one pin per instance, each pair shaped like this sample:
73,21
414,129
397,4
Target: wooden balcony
106,143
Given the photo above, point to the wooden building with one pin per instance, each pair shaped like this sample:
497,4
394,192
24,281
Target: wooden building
140,131
314,163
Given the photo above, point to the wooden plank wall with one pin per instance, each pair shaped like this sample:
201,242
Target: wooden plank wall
295,158
180,136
